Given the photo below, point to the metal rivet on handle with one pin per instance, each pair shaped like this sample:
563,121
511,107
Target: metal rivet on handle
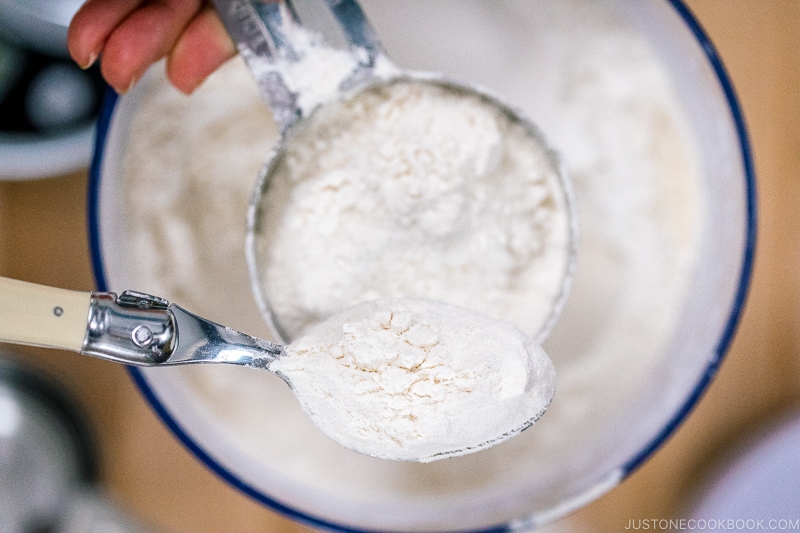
142,336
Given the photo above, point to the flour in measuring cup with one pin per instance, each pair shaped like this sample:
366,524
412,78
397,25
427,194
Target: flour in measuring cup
413,190
413,379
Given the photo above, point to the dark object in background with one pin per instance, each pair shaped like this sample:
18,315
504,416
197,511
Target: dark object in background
46,451
48,461
45,95
48,104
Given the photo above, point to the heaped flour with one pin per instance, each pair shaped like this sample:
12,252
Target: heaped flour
414,190
410,379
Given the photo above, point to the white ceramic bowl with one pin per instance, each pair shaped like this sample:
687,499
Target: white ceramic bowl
651,332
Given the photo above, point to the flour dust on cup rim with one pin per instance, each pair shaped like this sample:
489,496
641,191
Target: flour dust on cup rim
633,97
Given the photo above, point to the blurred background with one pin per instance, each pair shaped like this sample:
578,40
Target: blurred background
146,475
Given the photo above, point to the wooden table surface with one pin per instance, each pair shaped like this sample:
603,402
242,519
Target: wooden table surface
147,472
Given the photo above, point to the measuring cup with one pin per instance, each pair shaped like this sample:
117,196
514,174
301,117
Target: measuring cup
284,58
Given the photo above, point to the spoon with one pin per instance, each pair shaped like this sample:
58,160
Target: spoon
280,54
327,368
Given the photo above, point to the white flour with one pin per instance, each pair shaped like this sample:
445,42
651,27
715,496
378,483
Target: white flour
418,380
603,97
414,190
314,74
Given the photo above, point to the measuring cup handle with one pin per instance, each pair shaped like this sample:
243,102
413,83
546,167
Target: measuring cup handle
270,39
356,27
261,31
42,316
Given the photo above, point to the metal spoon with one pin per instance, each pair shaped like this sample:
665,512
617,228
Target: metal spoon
143,330
273,43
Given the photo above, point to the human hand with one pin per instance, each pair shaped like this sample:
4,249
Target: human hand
130,35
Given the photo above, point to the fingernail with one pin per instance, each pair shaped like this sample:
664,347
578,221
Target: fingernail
92,58
134,81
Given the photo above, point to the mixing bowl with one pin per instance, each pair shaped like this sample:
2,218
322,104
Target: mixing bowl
633,96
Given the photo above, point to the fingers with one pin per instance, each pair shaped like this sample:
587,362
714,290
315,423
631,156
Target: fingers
91,26
145,36
201,49
130,35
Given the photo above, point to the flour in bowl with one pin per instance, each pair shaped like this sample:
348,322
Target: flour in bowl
599,87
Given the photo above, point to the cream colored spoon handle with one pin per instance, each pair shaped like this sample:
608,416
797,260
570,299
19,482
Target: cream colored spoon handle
134,328
42,316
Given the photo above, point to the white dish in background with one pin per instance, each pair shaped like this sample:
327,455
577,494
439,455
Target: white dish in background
655,346
25,157
39,24
760,482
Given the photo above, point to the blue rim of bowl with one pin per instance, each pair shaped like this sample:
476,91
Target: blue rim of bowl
104,123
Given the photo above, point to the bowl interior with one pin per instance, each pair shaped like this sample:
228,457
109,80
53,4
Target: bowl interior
646,122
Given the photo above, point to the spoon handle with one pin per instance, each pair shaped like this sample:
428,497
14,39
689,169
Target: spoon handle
133,328
42,316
